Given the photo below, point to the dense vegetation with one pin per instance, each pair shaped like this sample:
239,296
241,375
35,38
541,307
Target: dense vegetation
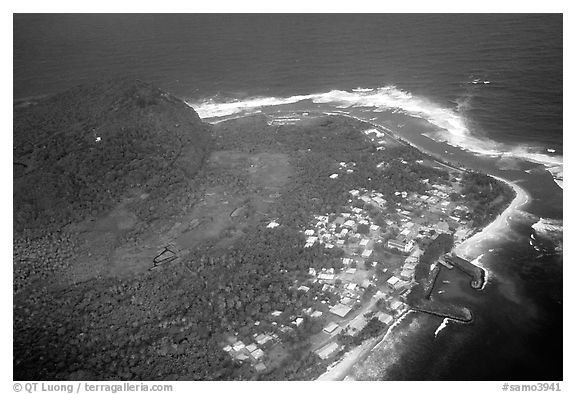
78,153
316,151
168,324
485,195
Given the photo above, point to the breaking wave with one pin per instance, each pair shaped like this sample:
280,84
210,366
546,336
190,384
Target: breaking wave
451,122
550,229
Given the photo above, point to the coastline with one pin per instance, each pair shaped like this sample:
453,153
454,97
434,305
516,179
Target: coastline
469,248
341,368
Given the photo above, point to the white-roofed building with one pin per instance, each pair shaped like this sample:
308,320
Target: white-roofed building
272,224
357,324
330,328
384,318
257,354
340,310
327,350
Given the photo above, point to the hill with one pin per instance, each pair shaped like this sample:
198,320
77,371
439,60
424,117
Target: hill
78,153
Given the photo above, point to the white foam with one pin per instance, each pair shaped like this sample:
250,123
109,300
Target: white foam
548,227
442,326
454,129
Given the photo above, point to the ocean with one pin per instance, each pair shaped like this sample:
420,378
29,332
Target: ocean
482,90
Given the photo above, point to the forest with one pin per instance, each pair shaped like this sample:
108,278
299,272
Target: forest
79,153
485,195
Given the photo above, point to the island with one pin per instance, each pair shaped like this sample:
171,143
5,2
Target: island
149,244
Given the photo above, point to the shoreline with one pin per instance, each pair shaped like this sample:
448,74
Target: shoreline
468,248
340,369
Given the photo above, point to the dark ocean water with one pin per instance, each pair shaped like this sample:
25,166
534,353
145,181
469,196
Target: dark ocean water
489,85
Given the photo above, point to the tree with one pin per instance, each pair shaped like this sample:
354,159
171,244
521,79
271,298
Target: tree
363,229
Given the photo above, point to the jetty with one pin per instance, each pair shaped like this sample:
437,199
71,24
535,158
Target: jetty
476,273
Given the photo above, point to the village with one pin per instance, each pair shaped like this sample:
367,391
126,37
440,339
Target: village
382,242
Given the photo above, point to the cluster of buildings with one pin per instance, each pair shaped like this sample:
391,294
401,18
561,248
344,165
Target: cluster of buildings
343,230
442,216
341,303
347,168
253,352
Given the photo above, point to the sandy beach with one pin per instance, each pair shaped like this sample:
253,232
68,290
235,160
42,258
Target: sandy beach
471,247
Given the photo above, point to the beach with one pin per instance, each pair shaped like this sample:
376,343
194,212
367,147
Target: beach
471,247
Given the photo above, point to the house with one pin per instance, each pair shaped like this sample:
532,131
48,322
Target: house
309,232
260,367
316,314
366,253
392,281
272,224
410,265
262,339
327,350
276,313
384,318
257,354
349,223
251,347
330,328
340,310
407,274
357,324
298,321
395,283
409,246
396,244
396,305
304,288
